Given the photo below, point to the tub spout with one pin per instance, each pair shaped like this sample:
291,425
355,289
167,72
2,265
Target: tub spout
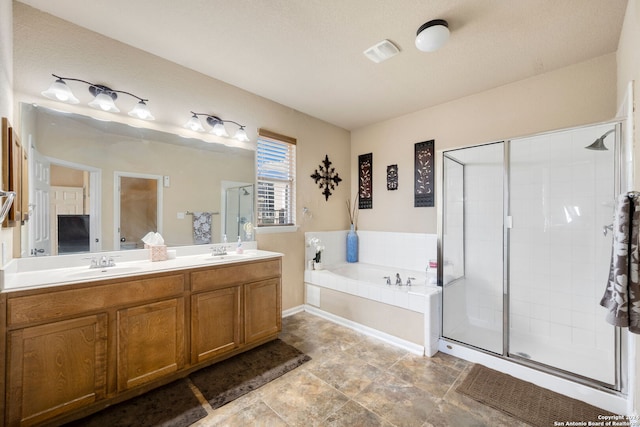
398,279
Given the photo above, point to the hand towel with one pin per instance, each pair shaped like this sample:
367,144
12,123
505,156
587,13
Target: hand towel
201,228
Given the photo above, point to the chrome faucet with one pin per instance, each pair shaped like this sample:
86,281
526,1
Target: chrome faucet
219,250
409,279
388,280
398,279
103,262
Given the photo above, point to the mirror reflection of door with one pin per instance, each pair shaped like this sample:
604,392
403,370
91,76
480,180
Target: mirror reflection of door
69,209
39,223
139,208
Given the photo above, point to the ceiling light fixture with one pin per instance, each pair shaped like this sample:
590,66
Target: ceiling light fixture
217,125
104,97
432,35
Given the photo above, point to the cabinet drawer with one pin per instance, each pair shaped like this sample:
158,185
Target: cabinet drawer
224,276
51,304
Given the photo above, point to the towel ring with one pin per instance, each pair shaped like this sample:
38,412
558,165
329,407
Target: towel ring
4,211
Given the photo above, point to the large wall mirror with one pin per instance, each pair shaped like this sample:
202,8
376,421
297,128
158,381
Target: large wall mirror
101,186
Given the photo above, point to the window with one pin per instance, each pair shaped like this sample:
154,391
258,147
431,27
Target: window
276,175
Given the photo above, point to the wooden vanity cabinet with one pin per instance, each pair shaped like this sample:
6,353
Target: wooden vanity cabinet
234,305
215,323
55,368
75,349
150,342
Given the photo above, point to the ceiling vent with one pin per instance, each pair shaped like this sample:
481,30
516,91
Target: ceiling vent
381,51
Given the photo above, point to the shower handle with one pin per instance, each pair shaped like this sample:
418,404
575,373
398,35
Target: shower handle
607,228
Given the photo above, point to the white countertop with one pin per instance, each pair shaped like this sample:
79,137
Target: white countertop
27,275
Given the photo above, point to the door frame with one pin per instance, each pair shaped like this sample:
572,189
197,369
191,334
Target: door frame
95,199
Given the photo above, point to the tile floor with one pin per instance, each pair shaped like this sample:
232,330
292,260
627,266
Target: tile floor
355,380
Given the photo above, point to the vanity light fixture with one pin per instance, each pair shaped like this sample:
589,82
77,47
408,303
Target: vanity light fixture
432,35
217,125
104,97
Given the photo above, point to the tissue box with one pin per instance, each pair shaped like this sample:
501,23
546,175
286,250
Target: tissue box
158,252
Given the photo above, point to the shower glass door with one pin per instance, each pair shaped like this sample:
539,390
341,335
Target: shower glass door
561,198
472,246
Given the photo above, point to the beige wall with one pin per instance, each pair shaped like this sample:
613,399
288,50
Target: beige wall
45,45
628,58
579,94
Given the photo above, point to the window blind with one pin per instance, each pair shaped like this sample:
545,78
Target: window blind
276,176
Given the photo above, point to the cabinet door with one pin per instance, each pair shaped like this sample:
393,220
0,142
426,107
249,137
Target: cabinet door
150,342
262,309
55,368
215,323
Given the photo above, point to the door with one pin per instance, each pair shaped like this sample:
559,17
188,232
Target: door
561,200
55,368
138,208
472,246
151,342
39,224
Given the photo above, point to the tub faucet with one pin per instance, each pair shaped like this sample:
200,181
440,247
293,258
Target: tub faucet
398,279
409,279
388,280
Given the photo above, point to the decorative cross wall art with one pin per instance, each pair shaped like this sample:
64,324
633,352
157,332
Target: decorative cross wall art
365,181
392,177
327,177
424,192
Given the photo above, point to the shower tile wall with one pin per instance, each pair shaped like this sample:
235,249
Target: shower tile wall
561,197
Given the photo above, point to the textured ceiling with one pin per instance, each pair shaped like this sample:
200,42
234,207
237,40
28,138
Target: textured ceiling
307,54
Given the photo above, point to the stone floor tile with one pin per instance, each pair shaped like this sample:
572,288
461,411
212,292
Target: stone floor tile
353,414
397,401
436,378
376,352
302,399
348,374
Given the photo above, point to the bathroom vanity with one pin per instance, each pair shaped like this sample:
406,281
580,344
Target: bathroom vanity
73,348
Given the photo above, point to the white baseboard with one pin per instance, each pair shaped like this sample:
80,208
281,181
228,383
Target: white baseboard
389,339
293,310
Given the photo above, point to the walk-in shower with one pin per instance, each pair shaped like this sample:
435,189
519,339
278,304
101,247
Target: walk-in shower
524,260
239,212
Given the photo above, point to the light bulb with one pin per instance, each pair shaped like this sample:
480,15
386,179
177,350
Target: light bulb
59,91
194,124
104,102
241,135
141,111
219,129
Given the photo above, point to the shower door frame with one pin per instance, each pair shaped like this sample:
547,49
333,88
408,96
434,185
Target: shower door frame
620,341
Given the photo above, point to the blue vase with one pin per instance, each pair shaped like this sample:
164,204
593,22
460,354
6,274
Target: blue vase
352,245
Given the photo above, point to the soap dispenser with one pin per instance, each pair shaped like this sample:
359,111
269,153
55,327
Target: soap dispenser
239,249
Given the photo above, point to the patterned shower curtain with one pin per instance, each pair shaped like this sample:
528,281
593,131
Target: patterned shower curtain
622,296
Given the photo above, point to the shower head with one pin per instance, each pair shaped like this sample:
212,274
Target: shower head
598,144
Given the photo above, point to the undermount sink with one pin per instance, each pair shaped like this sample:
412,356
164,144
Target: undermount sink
103,271
228,257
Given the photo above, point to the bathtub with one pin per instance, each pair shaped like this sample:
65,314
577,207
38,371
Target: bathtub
368,281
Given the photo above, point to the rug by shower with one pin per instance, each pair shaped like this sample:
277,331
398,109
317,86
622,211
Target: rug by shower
175,404
526,401
232,378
